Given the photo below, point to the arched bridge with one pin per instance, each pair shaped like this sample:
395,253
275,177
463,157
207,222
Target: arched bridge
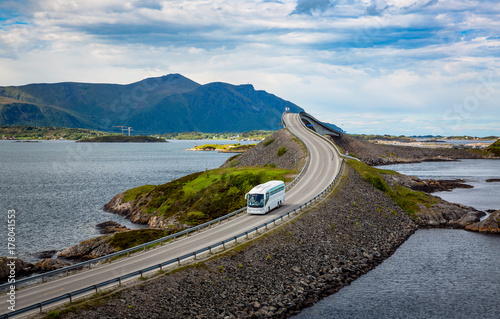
319,127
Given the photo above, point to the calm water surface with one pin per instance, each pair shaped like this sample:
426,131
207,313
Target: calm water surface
483,196
436,273
58,188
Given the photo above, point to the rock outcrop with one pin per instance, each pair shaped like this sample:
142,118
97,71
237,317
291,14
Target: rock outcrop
490,225
88,249
425,185
110,226
447,215
49,264
21,268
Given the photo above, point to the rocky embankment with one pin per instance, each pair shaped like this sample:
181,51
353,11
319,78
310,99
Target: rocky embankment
376,154
266,153
286,270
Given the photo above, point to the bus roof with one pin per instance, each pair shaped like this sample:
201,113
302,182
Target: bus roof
263,188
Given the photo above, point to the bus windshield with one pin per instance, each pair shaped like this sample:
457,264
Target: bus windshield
256,200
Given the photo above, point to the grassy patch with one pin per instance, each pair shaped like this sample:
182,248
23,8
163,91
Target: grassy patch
225,147
282,150
131,194
494,148
267,142
203,196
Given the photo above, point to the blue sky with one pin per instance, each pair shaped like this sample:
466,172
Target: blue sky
370,66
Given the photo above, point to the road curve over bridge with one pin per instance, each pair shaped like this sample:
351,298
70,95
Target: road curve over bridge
324,164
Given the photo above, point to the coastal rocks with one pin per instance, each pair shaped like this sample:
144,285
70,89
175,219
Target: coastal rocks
49,264
425,185
46,254
447,215
109,227
88,249
493,180
490,225
22,268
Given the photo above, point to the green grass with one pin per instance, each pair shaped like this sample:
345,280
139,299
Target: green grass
203,196
282,150
268,141
131,194
406,198
494,148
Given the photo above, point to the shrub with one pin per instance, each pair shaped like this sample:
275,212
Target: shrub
267,142
281,151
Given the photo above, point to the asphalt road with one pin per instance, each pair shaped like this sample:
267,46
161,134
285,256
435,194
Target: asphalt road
323,166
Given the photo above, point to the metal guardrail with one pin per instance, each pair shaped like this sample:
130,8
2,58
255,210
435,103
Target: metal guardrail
177,260
171,261
160,241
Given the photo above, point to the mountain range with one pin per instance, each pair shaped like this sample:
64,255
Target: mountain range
171,103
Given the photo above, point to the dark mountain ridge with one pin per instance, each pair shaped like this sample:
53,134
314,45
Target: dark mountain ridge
171,103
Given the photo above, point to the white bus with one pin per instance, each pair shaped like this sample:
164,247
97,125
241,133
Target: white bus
265,197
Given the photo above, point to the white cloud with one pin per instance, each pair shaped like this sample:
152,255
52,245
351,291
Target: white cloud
415,60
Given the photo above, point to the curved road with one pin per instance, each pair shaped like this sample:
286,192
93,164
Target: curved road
323,166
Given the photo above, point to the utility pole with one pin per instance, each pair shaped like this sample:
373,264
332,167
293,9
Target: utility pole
129,130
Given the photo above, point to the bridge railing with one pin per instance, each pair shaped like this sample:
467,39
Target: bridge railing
170,262
144,246
69,296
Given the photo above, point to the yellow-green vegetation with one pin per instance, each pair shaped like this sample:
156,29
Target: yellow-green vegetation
267,142
224,147
494,148
281,151
406,198
131,194
203,196
129,239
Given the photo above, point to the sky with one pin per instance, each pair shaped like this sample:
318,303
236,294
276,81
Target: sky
401,67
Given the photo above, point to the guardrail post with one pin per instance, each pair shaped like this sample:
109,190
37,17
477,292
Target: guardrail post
141,273
178,261
70,298
43,279
119,281
95,286
194,253
223,245
257,230
41,310
235,239
210,249
246,233
161,267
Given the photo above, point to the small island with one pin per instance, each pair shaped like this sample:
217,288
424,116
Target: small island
123,139
223,148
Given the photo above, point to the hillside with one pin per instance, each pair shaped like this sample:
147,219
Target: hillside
171,103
